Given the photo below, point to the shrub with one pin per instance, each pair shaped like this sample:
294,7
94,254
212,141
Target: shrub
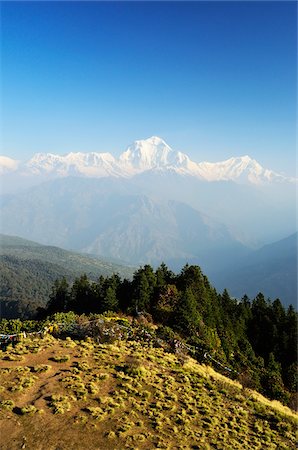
30,409
96,412
60,358
7,404
134,368
60,404
41,368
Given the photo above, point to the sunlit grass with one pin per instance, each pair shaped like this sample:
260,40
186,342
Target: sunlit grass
140,397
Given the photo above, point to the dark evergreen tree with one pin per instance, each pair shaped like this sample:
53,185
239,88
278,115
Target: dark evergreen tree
186,318
165,304
125,296
192,277
290,326
110,299
59,298
291,377
272,382
144,283
261,330
82,295
164,276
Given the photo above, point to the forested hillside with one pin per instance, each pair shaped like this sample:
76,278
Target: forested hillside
28,271
256,338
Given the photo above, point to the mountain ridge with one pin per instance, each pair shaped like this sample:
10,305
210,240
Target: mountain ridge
107,220
272,270
141,156
28,271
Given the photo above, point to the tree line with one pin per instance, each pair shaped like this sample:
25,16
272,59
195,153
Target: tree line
256,337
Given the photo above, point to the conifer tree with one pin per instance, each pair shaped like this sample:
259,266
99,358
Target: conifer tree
82,295
144,283
186,317
165,304
272,380
110,299
163,276
59,298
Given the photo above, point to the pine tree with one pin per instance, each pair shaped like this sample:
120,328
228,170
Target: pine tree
82,295
59,298
110,299
272,382
163,276
144,283
165,303
186,317
261,327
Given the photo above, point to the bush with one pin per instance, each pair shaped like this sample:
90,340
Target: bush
7,404
134,367
28,410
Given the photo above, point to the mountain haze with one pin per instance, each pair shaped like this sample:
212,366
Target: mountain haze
108,218
151,204
271,270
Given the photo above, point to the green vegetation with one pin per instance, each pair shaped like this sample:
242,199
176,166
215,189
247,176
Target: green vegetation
135,360
28,271
256,339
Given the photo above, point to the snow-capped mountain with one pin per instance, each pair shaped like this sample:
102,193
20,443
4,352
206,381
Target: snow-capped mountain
241,169
152,154
8,164
151,204
86,164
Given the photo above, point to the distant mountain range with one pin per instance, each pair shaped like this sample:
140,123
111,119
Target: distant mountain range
107,218
152,154
271,270
28,271
151,204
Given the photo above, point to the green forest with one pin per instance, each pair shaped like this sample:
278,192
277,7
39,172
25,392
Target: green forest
28,271
255,339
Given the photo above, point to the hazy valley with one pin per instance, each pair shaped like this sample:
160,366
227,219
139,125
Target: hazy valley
154,204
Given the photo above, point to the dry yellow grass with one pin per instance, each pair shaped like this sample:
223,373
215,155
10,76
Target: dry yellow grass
129,395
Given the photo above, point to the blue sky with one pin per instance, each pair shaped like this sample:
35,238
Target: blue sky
214,79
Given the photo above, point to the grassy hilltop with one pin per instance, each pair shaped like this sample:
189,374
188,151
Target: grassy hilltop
81,394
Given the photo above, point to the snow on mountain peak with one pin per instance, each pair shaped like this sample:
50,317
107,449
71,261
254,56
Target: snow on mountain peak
74,163
152,154
242,169
155,140
8,164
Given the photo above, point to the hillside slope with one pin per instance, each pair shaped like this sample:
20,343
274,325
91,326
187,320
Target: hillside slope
28,271
129,395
